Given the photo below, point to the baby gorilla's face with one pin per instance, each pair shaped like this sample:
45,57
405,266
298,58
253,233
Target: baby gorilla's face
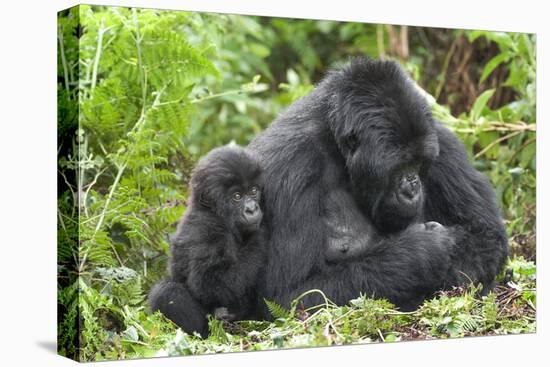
245,207
227,182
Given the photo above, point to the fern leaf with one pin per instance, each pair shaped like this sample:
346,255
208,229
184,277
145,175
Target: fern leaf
276,310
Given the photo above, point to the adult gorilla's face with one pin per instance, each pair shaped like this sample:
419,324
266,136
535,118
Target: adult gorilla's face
387,170
385,132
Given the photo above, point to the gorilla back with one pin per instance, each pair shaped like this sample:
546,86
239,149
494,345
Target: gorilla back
367,133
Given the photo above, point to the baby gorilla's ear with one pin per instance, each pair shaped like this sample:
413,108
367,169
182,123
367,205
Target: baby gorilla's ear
201,190
204,200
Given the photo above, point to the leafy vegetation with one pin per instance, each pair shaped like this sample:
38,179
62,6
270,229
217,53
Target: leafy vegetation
142,94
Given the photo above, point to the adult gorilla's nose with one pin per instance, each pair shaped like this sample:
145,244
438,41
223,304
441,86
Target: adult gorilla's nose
409,186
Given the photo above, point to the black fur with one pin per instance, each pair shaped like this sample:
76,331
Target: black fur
355,137
218,247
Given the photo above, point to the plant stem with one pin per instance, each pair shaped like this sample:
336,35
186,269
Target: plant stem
100,33
380,41
111,193
446,66
501,127
137,39
121,169
499,140
90,185
223,94
528,142
63,60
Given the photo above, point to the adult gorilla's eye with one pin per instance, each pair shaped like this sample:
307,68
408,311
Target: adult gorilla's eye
353,142
237,196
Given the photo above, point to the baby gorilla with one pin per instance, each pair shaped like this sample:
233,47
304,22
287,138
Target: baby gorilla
218,246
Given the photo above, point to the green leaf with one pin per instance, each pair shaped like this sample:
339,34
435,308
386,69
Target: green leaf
480,104
259,50
528,155
292,77
486,138
526,46
131,334
276,310
492,65
390,338
504,40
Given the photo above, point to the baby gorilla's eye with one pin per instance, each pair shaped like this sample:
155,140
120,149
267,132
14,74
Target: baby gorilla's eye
237,196
254,191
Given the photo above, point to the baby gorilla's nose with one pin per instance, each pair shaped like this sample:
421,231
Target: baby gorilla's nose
250,208
252,212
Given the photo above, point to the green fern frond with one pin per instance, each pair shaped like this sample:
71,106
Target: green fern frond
276,310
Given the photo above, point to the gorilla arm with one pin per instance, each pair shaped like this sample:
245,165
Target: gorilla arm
462,199
405,269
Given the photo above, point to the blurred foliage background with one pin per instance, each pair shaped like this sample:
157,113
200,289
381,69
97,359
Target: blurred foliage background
142,94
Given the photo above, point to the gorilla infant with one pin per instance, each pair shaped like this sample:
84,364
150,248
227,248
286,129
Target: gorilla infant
217,250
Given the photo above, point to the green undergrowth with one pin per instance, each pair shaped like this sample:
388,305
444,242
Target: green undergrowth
113,332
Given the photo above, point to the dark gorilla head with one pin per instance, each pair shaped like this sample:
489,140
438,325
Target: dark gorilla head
385,132
227,181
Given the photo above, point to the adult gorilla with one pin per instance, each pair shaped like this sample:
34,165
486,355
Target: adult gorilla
362,156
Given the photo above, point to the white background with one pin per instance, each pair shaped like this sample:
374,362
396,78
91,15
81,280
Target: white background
28,180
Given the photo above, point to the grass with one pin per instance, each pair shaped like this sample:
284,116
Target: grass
509,309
